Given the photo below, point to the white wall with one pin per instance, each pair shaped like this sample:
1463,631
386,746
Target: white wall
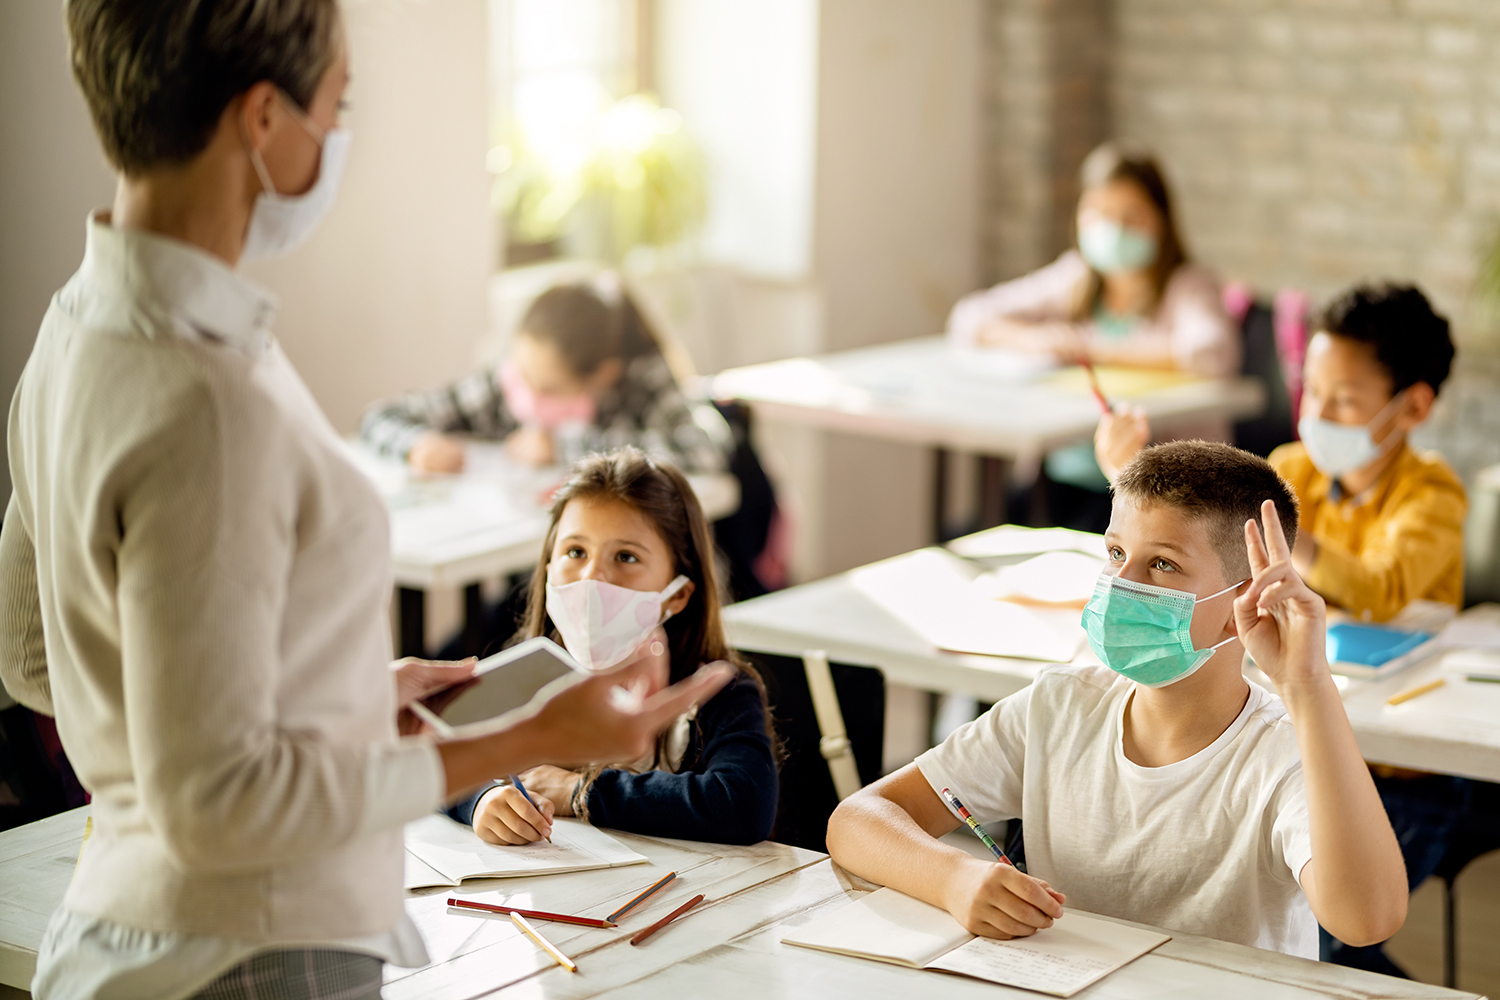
744,75
52,174
390,294
895,234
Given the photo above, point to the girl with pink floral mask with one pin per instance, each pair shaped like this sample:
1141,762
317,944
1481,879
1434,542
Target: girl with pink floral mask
583,373
628,572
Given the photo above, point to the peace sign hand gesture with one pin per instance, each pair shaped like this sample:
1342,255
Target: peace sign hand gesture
1279,619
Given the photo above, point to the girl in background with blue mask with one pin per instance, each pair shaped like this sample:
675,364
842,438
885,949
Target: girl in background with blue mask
1125,294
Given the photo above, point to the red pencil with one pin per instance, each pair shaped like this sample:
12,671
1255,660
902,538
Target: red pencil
1088,366
664,921
561,918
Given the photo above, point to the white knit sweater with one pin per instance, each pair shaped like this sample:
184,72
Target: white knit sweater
195,582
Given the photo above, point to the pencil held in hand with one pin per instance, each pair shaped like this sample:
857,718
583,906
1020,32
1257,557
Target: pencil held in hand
973,824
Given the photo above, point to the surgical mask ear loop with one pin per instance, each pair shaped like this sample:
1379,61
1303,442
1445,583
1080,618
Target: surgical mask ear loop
1233,586
258,162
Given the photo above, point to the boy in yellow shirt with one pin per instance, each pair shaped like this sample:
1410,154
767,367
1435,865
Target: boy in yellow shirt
1382,523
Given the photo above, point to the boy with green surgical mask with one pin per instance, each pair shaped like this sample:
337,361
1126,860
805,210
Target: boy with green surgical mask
1169,789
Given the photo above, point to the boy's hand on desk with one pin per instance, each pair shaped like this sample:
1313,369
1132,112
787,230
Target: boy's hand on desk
999,901
503,816
434,452
1279,619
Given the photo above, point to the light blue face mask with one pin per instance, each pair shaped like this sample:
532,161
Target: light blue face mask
1339,449
1141,631
1111,248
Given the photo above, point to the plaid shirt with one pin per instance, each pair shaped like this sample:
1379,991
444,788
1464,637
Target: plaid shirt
645,408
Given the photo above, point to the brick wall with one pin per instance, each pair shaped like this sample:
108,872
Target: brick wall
1046,105
1311,143
1316,142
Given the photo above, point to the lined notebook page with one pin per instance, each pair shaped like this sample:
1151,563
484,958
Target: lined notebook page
1075,951
890,926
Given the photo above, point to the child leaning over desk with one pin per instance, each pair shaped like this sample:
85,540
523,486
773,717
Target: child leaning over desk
584,373
1127,295
1162,787
628,549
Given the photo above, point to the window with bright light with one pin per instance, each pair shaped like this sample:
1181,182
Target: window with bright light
586,162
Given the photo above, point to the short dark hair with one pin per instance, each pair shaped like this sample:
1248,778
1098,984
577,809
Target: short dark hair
1411,339
158,74
1219,484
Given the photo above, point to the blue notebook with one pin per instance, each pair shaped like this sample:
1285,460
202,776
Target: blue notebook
1370,645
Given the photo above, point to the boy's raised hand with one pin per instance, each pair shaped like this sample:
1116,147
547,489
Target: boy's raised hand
1279,619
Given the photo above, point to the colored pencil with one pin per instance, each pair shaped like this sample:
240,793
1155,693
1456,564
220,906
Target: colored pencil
543,943
558,918
1088,366
664,921
669,876
1411,693
515,780
973,824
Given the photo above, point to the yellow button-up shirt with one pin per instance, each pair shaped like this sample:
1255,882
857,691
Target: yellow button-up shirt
1400,540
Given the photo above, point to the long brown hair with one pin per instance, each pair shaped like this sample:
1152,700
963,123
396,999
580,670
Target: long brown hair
1123,161
661,494
588,327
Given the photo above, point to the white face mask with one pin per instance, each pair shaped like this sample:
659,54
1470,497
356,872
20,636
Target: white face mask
602,624
281,223
1339,449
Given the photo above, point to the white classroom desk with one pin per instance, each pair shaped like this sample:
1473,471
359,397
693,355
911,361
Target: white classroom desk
1453,730
487,521
998,405
925,392
729,946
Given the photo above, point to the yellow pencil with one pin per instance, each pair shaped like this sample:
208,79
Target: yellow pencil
1411,693
543,943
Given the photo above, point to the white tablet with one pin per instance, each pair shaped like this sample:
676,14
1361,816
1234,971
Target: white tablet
503,683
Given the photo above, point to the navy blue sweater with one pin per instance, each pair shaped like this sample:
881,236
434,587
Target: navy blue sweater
725,793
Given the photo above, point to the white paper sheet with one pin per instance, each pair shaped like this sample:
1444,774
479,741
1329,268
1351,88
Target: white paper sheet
887,926
932,592
1063,577
1014,540
890,926
1078,949
455,852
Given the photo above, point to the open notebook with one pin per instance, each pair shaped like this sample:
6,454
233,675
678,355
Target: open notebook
440,852
889,926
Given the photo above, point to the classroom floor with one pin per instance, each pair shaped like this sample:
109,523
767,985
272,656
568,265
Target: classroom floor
1418,947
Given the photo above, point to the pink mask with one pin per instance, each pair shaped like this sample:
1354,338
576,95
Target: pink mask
602,624
536,409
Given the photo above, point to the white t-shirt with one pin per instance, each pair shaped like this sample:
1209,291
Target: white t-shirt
1210,845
